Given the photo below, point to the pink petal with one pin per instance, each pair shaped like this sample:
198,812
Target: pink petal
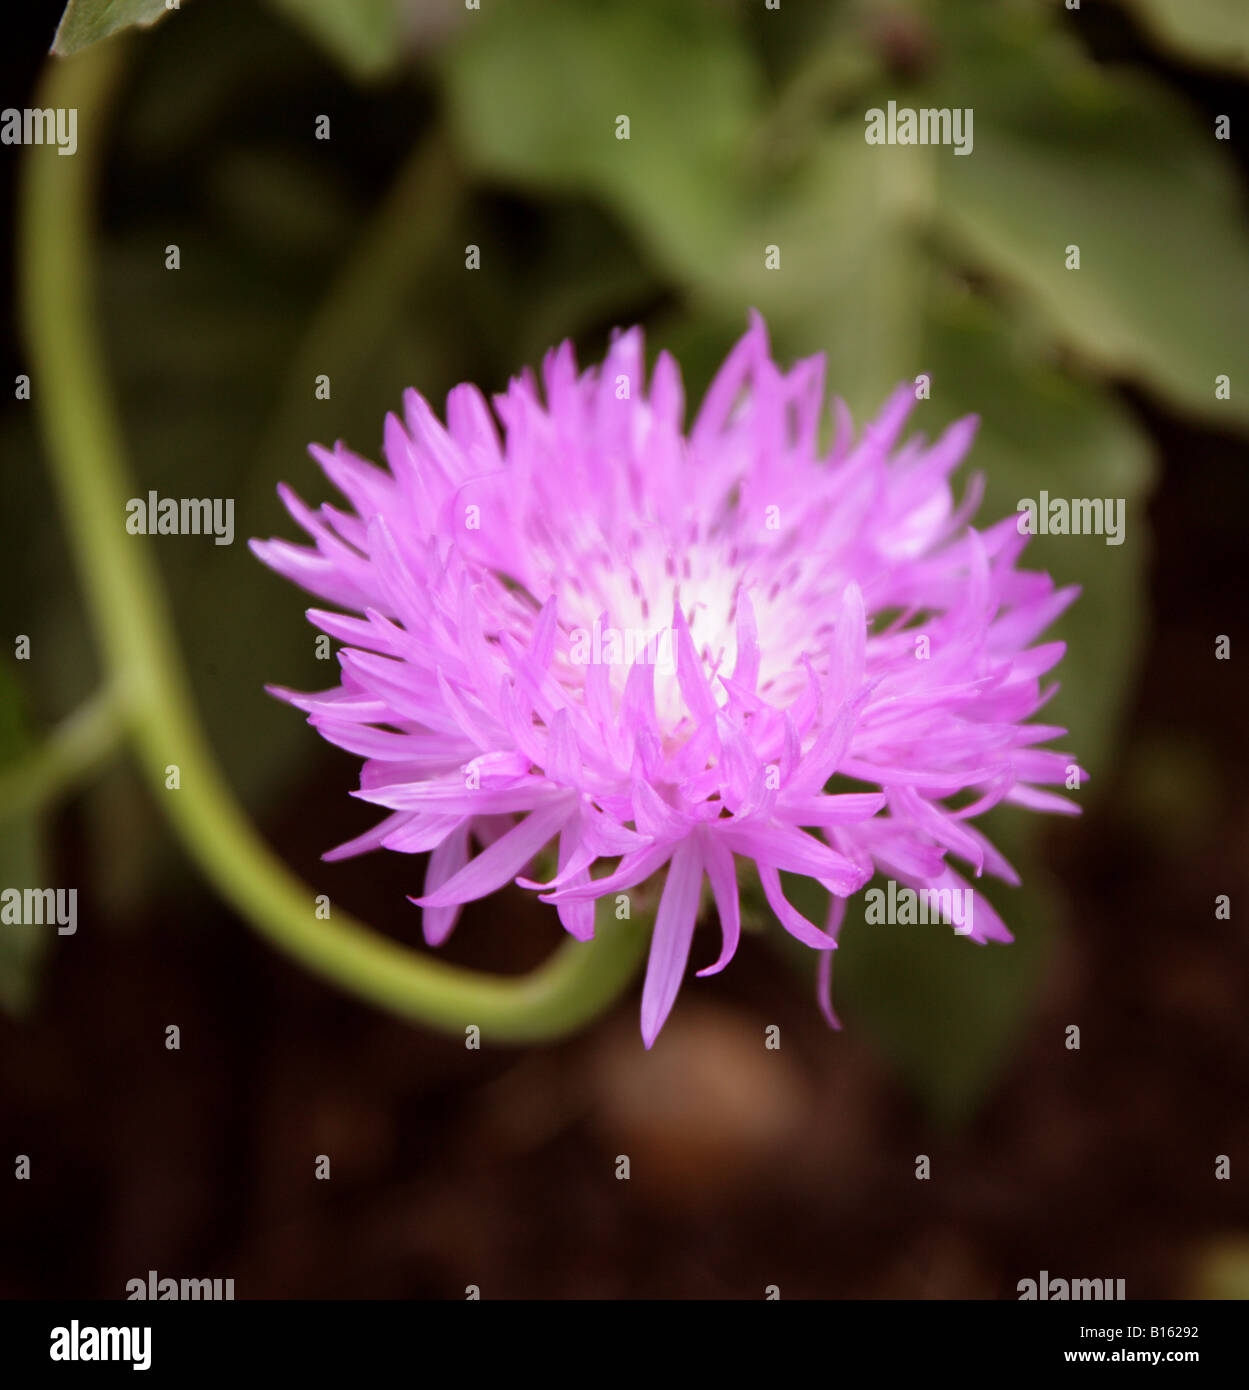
670,941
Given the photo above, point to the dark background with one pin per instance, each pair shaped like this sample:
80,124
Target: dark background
496,1168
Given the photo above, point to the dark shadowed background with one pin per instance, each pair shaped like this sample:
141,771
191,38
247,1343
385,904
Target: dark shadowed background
346,256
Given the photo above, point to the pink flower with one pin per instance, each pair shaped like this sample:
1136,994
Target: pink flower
656,648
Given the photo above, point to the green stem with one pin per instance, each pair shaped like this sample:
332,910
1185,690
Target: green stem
134,627
70,752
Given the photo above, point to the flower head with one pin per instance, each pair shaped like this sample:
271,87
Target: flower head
655,649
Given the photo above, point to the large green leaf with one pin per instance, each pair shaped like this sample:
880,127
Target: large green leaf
945,1011
536,90
1068,153
364,36
851,276
85,22
1208,31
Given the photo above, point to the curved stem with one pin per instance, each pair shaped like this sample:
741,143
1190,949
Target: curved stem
134,627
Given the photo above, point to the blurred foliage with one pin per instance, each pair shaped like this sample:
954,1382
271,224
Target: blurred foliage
88,21
22,945
746,131
362,35
1208,31
1124,170
943,1010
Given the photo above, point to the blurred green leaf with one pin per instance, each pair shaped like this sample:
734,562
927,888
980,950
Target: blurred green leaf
286,207
829,255
852,276
535,94
943,1009
1069,153
23,945
1207,31
363,36
1042,429
85,22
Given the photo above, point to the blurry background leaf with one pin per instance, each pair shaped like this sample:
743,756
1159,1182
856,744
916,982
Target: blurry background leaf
85,22
362,35
1042,429
946,1011
23,945
684,77
1206,31
852,273
1067,154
